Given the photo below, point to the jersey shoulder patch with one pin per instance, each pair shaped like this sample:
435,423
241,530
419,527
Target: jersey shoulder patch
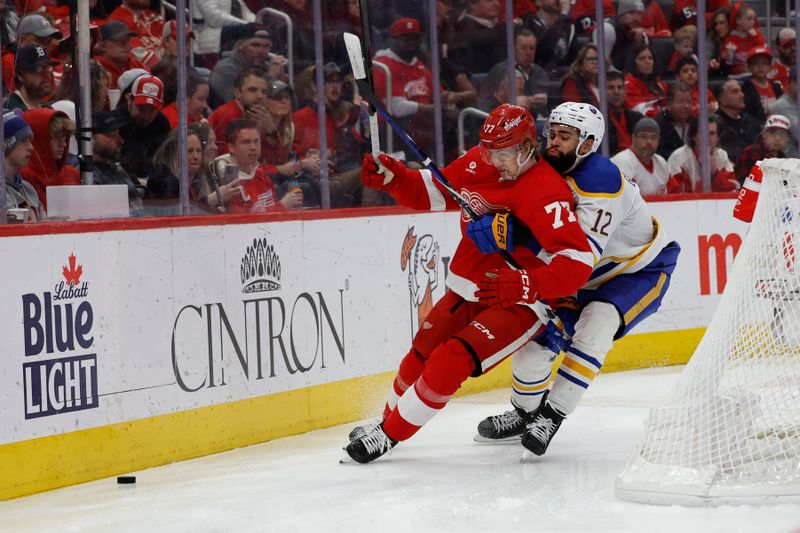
597,176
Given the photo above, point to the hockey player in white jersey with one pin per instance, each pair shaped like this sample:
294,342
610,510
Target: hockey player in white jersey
633,265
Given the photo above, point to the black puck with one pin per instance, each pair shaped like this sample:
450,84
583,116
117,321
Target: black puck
126,480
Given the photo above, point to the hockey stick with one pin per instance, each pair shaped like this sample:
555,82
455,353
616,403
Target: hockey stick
366,64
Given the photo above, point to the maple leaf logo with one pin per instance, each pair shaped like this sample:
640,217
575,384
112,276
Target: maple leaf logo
72,274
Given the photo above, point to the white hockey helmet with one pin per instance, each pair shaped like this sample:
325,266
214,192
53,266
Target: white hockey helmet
586,118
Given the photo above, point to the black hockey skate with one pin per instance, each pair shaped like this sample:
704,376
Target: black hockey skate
360,431
507,427
370,446
539,432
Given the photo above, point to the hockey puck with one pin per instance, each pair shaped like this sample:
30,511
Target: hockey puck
126,480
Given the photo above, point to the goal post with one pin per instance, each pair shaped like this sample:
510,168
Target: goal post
729,431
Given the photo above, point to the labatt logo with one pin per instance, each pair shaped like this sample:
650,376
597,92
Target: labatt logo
58,375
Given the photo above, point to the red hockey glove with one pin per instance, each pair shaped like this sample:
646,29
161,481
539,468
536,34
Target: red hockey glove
506,287
386,176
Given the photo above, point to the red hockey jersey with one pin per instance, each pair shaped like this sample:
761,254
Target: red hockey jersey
539,199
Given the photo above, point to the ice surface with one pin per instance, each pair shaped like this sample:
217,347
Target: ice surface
438,481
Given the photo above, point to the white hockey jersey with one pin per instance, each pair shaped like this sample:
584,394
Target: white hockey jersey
651,180
624,237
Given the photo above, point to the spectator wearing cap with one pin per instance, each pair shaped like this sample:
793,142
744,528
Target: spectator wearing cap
556,47
533,96
196,101
673,121
760,93
251,49
208,19
772,142
20,194
684,163
786,105
412,81
147,28
737,128
107,152
33,30
146,127
34,78
624,32
257,192
113,50
785,56
620,120
744,36
641,162
481,39
48,164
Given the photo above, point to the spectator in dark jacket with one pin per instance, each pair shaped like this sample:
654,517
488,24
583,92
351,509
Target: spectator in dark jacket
674,120
620,120
107,151
147,126
737,128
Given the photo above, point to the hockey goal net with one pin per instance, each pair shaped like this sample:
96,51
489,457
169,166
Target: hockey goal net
729,431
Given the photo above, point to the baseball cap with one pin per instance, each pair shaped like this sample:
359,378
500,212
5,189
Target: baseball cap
759,50
646,124
126,78
627,6
29,57
276,87
171,28
404,26
785,36
15,129
38,26
778,121
107,121
115,29
330,69
148,90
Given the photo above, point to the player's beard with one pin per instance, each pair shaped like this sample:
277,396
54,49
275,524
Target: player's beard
562,162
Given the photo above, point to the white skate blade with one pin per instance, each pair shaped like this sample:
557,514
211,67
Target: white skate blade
526,454
345,459
484,440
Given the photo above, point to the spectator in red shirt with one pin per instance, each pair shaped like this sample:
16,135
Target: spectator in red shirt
51,133
786,57
580,83
760,93
653,20
196,101
684,39
741,39
33,30
686,72
113,51
582,13
256,193
147,27
646,93
620,120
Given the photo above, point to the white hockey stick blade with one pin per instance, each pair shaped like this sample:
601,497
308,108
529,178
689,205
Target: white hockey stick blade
353,44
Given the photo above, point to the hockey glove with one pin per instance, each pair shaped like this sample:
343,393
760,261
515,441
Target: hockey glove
554,339
506,287
386,175
492,233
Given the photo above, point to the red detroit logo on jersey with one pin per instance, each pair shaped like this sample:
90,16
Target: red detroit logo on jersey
416,88
479,204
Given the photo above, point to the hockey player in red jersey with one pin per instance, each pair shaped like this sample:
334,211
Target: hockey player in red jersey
461,337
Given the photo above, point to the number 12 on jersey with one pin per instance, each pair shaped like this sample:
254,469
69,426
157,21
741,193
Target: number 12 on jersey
558,209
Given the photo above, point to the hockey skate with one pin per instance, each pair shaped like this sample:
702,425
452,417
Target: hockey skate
539,432
370,446
366,429
507,427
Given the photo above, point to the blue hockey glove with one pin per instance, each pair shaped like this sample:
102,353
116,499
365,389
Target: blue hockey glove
492,233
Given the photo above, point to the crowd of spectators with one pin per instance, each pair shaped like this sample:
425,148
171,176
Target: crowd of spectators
254,141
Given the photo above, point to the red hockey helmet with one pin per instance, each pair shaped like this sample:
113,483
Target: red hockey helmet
507,125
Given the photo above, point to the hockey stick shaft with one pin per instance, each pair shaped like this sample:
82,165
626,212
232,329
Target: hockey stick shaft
374,134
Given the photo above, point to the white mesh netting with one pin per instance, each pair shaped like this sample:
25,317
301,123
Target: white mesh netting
730,429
